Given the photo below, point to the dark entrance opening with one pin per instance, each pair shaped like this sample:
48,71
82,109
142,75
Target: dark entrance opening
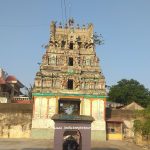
72,140
70,61
63,44
79,44
70,84
71,45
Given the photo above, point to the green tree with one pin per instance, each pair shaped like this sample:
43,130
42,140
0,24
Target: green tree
98,39
29,91
127,91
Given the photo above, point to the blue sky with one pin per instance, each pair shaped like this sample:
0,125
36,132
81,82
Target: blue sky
124,24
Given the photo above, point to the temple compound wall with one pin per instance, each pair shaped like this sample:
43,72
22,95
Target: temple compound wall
15,120
69,81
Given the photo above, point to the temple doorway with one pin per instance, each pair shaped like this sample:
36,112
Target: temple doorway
72,140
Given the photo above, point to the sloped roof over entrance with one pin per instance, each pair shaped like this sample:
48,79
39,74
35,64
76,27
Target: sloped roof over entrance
133,106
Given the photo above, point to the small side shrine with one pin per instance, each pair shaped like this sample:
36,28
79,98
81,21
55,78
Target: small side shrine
72,132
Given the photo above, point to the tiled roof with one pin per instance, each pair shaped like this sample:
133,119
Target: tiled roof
133,106
11,78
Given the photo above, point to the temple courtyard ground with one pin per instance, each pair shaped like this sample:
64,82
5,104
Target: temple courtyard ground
30,144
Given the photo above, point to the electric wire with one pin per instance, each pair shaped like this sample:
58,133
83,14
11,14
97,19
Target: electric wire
69,9
21,26
62,15
65,11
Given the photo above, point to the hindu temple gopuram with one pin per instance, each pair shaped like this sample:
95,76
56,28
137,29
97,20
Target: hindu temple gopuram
69,81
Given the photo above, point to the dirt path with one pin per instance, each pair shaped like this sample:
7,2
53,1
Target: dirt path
114,145
30,144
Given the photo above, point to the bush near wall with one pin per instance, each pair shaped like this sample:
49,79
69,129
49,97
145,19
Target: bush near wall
142,127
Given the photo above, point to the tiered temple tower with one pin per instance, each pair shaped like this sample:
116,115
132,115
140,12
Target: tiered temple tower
69,81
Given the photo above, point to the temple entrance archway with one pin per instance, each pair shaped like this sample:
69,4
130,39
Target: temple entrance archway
72,140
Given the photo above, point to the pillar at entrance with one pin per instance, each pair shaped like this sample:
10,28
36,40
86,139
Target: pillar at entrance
72,132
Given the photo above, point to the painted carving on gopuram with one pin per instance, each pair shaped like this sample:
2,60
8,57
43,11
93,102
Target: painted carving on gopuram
69,80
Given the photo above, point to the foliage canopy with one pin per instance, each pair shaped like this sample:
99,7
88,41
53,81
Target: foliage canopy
127,91
98,39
